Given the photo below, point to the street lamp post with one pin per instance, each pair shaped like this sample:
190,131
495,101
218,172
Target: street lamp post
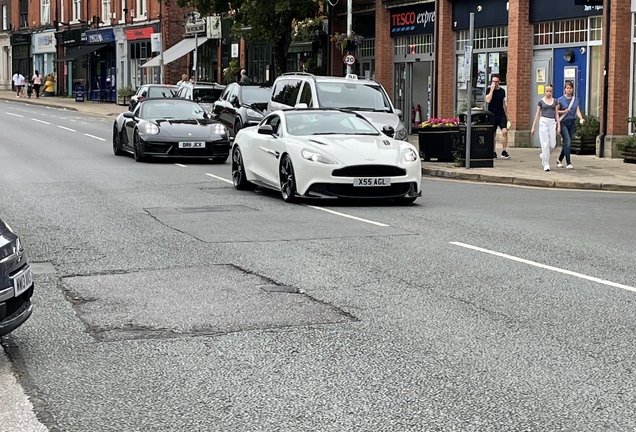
194,18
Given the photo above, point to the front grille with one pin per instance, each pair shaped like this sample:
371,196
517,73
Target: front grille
13,305
396,190
369,171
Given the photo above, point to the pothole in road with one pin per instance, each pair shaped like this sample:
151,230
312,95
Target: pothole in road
212,300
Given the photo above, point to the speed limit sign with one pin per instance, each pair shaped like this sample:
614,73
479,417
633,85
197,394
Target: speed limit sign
349,59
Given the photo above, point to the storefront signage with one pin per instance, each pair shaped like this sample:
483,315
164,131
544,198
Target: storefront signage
20,39
544,10
72,37
100,36
44,42
411,20
139,33
488,13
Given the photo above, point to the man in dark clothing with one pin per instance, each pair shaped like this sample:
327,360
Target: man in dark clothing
496,99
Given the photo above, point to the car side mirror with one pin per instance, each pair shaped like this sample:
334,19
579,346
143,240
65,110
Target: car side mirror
265,129
399,113
234,101
129,115
388,131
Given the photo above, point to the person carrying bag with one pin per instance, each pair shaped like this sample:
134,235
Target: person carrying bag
568,110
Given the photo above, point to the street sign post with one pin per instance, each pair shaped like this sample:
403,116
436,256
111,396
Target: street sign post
196,27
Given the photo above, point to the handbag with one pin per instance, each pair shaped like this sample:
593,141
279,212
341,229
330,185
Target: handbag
569,107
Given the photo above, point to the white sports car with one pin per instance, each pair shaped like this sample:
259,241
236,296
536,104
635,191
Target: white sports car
325,153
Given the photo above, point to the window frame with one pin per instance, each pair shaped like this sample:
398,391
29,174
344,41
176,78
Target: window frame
77,10
106,11
45,14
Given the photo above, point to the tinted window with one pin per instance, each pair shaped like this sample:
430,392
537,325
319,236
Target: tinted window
305,96
274,121
291,92
256,94
328,123
206,95
357,96
171,109
279,91
167,92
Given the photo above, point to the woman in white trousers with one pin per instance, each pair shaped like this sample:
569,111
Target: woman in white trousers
549,125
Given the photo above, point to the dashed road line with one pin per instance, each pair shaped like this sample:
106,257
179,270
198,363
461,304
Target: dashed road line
68,129
40,121
93,136
349,216
219,178
546,267
14,115
181,165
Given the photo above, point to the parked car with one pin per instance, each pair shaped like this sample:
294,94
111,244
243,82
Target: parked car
152,91
164,128
242,104
16,281
203,93
361,94
325,153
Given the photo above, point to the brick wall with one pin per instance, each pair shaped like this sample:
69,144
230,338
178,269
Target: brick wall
619,67
173,31
518,77
339,25
445,86
383,47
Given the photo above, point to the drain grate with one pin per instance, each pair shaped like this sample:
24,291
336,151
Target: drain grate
279,288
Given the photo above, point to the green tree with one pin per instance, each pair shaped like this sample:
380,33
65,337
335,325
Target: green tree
270,20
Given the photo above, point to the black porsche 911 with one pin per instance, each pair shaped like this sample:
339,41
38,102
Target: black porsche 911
163,128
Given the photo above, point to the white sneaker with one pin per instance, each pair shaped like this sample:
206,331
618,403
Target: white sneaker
570,166
559,165
546,168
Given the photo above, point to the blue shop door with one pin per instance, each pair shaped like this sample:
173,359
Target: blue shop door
571,65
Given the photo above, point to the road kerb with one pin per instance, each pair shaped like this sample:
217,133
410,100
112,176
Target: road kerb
38,103
617,188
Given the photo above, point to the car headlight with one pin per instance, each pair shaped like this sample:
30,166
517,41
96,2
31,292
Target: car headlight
252,113
151,129
409,156
401,135
316,157
220,130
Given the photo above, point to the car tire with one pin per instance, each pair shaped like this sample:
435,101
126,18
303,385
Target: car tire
238,125
117,149
220,160
238,171
137,154
287,180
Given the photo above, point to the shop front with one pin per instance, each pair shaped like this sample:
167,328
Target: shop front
101,65
21,54
5,62
72,60
139,52
567,47
411,30
44,48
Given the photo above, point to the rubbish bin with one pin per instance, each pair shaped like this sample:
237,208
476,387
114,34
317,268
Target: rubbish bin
79,93
482,137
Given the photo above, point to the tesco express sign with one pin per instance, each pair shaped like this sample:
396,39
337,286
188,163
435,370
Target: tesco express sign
416,19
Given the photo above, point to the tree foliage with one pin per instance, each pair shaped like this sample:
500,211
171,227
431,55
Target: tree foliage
270,20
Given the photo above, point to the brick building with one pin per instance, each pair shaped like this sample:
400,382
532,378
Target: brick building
417,53
5,45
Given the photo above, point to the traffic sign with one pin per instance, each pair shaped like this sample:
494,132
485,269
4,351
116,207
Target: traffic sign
197,27
349,59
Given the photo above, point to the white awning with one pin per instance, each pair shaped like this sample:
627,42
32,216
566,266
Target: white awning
175,52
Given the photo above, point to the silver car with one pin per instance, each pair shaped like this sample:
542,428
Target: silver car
362,95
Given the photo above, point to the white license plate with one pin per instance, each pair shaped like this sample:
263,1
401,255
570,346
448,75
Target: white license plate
372,181
22,281
192,144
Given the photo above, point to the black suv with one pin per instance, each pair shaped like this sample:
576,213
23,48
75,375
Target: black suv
16,281
202,92
242,104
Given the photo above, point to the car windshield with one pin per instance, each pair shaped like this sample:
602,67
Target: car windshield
167,92
328,123
171,109
353,95
256,94
206,95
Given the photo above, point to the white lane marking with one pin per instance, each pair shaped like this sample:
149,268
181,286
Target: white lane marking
68,129
547,267
219,178
84,123
15,115
180,165
40,121
349,216
93,136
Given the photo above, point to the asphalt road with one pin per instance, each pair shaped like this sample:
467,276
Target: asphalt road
167,301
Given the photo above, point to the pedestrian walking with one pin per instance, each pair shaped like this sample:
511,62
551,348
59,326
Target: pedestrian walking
37,83
549,125
496,100
29,88
18,83
244,77
568,110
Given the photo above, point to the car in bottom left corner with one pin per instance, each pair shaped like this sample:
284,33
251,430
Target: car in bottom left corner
16,281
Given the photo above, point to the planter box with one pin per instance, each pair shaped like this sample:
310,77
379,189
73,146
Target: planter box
438,143
583,146
629,154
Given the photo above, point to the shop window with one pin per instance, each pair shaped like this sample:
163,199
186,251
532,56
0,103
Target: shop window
596,80
596,29
367,48
570,31
484,38
416,44
543,33
485,65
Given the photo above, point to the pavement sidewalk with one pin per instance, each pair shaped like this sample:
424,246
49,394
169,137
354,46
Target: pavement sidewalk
88,107
524,169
